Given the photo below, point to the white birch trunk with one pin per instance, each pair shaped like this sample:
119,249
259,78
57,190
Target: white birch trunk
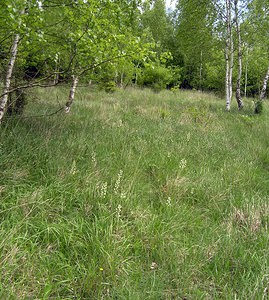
264,86
227,88
231,65
71,93
228,56
6,88
56,72
246,74
259,104
239,55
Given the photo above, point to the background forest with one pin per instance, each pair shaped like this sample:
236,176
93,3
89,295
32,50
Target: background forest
206,45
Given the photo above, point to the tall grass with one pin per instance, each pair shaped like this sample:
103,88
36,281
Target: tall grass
134,195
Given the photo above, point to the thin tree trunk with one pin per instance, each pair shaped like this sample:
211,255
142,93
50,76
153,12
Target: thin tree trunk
231,65
121,79
246,74
201,70
227,89
71,93
239,55
56,74
116,76
228,56
259,104
4,99
136,78
136,74
264,86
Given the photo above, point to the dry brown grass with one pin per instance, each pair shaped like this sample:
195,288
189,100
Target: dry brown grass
252,218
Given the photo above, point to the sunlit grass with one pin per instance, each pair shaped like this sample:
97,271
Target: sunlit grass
134,195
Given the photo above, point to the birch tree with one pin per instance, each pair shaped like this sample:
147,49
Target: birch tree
7,82
260,14
264,86
16,16
239,57
12,59
259,103
80,34
229,54
102,35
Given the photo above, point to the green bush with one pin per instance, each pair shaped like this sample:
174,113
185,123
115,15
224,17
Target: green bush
258,107
156,77
109,86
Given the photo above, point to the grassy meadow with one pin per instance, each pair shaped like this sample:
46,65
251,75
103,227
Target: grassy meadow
134,195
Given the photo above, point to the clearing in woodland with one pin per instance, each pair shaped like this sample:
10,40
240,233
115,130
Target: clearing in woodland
134,195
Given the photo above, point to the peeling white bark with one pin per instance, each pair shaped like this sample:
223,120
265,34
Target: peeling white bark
11,63
227,78
56,73
71,93
264,86
231,65
229,48
239,55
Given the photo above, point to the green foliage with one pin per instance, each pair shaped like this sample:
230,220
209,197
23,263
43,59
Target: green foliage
109,86
129,42
155,19
258,107
72,39
156,77
195,42
213,80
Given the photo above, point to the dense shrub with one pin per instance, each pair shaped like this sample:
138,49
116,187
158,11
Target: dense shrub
156,77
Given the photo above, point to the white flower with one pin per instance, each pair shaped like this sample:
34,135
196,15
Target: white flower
103,190
94,160
153,265
188,136
183,163
118,211
123,195
73,168
169,201
118,181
